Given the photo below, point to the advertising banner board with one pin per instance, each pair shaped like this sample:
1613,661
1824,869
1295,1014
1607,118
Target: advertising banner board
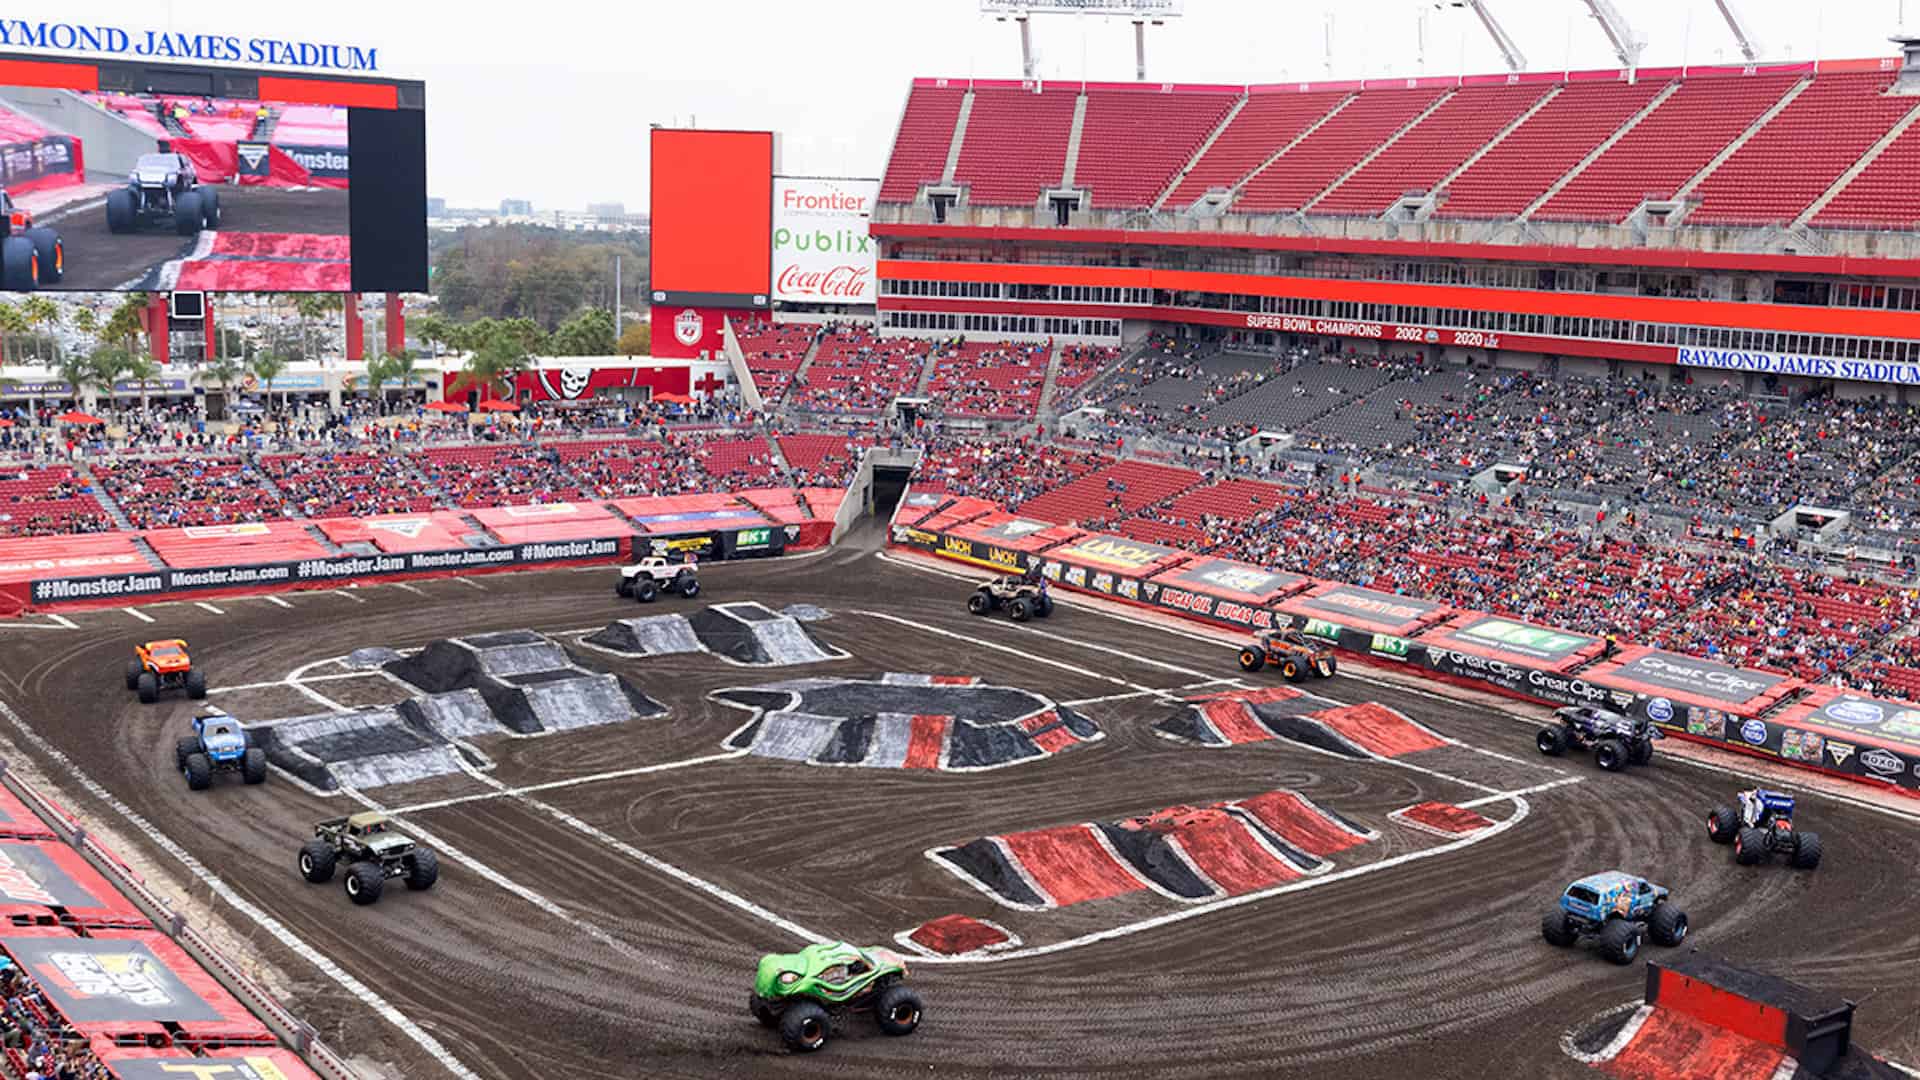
821,251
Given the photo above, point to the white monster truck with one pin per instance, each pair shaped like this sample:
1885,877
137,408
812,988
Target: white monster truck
651,576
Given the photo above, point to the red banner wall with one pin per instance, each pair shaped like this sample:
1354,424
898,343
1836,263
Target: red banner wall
686,332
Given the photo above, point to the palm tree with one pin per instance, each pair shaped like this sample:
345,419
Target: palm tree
313,307
41,314
398,367
11,322
80,373
126,323
225,371
267,366
113,363
493,367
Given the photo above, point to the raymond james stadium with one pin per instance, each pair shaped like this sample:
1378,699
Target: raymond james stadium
1393,577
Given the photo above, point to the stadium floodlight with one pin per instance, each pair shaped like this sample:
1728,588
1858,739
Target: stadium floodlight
1626,45
1748,47
1516,60
1141,12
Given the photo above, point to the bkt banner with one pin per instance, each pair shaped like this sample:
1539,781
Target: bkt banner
821,251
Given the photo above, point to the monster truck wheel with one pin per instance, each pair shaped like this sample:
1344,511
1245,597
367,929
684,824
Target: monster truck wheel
210,207
52,253
1722,823
1640,752
1667,925
625,588
316,861
199,772
767,1017
1611,755
1557,930
1552,741
1333,666
19,265
1750,846
423,869
1292,671
188,217
646,590
148,687
1620,941
1020,609
1252,660
183,749
980,603
1806,851
897,1010
365,882
253,766
804,1027
120,213
133,674
196,684
690,588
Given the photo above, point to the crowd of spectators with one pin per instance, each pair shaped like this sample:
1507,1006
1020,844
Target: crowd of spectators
40,1042
988,380
855,371
345,484
167,493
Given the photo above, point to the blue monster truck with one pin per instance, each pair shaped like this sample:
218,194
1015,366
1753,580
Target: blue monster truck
1762,827
1614,907
218,744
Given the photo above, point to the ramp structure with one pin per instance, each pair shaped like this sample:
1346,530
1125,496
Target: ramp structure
527,680
744,633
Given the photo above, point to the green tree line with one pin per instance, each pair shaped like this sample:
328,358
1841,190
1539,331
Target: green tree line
540,274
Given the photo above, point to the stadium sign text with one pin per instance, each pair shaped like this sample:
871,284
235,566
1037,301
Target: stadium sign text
822,252
165,45
1817,367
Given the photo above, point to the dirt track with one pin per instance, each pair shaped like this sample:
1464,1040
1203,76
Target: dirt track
98,259
1433,968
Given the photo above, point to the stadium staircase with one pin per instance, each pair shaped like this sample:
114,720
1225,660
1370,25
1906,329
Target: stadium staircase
111,508
320,537
263,128
1073,140
1240,185
252,462
806,361
168,121
1199,152
1385,145
959,138
1873,153
1733,147
146,552
1487,148
1046,412
1600,151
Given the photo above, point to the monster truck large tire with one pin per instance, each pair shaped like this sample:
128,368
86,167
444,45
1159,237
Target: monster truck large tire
1552,741
688,584
316,861
1722,823
365,882
189,215
1252,659
624,588
52,252
19,265
253,766
646,590
1750,846
210,207
1333,667
148,686
121,217
980,603
1640,752
1020,609
1806,850
423,869
199,772
897,1010
183,749
1611,755
761,1012
1667,925
1557,930
1292,670
196,684
133,674
1620,941
804,1027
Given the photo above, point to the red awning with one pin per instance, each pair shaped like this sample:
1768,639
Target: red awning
498,405
78,417
446,407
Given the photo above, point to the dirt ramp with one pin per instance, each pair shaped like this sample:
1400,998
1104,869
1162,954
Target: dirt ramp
655,635
528,682
756,635
364,748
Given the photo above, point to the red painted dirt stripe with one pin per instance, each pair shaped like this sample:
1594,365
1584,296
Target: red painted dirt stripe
1039,720
1377,729
954,680
1674,1046
1446,817
284,246
1235,722
1227,853
245,275
1054,739
952,934
928,739
1292,819
1262,696
1070,865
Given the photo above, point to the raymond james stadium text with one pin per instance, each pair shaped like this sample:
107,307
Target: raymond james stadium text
114,41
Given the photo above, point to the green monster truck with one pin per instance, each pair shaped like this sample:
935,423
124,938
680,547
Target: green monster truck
374,850
803,994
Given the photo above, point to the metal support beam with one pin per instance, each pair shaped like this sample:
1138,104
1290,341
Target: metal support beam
1140,50
1748,47
1510,52
1026,48
1626,45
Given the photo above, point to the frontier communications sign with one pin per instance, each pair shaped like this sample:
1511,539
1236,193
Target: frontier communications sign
821,251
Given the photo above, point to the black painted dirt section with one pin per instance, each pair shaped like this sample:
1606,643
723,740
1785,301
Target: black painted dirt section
1149,853
1311,734
1078,724
1189,724
978,746
1303,860
983,861
849,744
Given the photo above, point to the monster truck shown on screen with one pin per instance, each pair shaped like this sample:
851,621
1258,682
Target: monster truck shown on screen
29,256
1617,740
1615,908
163,190
1295,654
804,994
375,850
1760,827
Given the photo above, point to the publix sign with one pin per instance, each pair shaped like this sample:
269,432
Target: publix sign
821,251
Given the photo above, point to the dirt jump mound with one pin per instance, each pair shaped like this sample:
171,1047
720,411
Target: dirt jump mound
745,633
1238,717
527,680
364,748
902,721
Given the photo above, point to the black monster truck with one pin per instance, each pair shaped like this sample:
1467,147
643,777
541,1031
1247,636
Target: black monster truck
374,850
1616,740
1023,597
163,187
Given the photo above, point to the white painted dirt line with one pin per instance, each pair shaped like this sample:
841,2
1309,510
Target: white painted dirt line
61,621
405,587
576,781
234,900
290,681
1620,1039
54,622
277,602
1535,789
350,596
204,606
470,583
1023,654
1167,693
138,614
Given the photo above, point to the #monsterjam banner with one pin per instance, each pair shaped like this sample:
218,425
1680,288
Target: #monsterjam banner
821,251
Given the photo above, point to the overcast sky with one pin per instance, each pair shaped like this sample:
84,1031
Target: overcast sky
551,101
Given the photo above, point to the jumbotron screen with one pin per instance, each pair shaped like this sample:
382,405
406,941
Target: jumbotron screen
162,177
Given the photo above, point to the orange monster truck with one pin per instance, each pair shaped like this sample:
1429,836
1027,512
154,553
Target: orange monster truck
164,665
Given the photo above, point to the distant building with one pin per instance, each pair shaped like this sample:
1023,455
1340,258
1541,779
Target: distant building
612,213
516,208
436,207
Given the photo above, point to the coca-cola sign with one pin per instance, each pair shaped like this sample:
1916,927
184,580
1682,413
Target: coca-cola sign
822,253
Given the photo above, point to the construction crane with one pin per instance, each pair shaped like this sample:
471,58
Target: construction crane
1516,60
1626,45
1748,47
